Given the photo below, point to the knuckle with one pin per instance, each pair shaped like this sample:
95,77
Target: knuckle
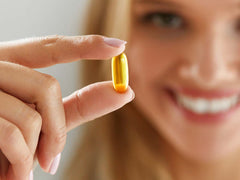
79,106
90,41
82,111
34,121
60,136
27,159
52,86
11,133
46,40
93,38
49,43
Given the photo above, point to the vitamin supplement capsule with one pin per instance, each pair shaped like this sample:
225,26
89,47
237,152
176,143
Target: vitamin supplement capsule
120,73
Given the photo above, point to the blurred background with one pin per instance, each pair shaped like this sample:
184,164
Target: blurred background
29,18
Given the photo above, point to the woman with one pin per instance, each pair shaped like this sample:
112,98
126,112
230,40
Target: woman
184,69
183,124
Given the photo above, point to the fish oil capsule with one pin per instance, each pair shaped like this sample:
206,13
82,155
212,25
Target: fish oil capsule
120,72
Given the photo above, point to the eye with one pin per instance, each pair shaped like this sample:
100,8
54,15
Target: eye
165,20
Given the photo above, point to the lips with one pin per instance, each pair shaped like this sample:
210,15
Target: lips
204,106
207,94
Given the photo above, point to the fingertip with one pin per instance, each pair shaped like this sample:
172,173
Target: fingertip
114,42
98,46
132,93
126,96
112,47
123,89
55,164
42,162
44,157
49,151
93,101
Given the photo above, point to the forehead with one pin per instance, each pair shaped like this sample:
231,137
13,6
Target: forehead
207,7
187,3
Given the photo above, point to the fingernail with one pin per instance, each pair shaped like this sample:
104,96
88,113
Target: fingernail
114,42
31,175
55,164
133,95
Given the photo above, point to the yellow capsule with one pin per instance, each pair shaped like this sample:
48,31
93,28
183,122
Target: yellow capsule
120,73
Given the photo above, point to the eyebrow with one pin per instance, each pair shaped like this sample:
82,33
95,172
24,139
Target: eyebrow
159,2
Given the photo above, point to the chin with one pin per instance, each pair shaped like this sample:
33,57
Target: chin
199,147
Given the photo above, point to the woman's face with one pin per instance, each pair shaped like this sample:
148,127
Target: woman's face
184,59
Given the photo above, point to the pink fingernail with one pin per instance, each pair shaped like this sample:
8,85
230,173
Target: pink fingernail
55,164
31,175
114,42
133,95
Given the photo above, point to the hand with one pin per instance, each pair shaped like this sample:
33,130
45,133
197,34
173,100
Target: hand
33,117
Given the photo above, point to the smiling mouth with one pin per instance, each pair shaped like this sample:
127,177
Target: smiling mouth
205,105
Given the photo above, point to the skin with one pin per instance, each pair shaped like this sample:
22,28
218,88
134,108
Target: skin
202,55
34,119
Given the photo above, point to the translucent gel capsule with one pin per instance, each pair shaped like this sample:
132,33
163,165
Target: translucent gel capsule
120,73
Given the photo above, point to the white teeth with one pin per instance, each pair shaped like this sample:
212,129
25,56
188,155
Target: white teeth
203,106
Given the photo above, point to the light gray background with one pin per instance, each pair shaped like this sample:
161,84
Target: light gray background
28,18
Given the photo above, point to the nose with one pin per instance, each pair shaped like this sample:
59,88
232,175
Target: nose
210,59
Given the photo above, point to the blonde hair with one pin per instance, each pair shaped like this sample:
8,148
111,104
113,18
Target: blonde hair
122,145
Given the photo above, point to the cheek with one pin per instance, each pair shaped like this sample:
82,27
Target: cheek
150,61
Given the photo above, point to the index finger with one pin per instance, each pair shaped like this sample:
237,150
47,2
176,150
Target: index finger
40,52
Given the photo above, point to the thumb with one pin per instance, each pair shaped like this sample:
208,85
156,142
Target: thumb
92,102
